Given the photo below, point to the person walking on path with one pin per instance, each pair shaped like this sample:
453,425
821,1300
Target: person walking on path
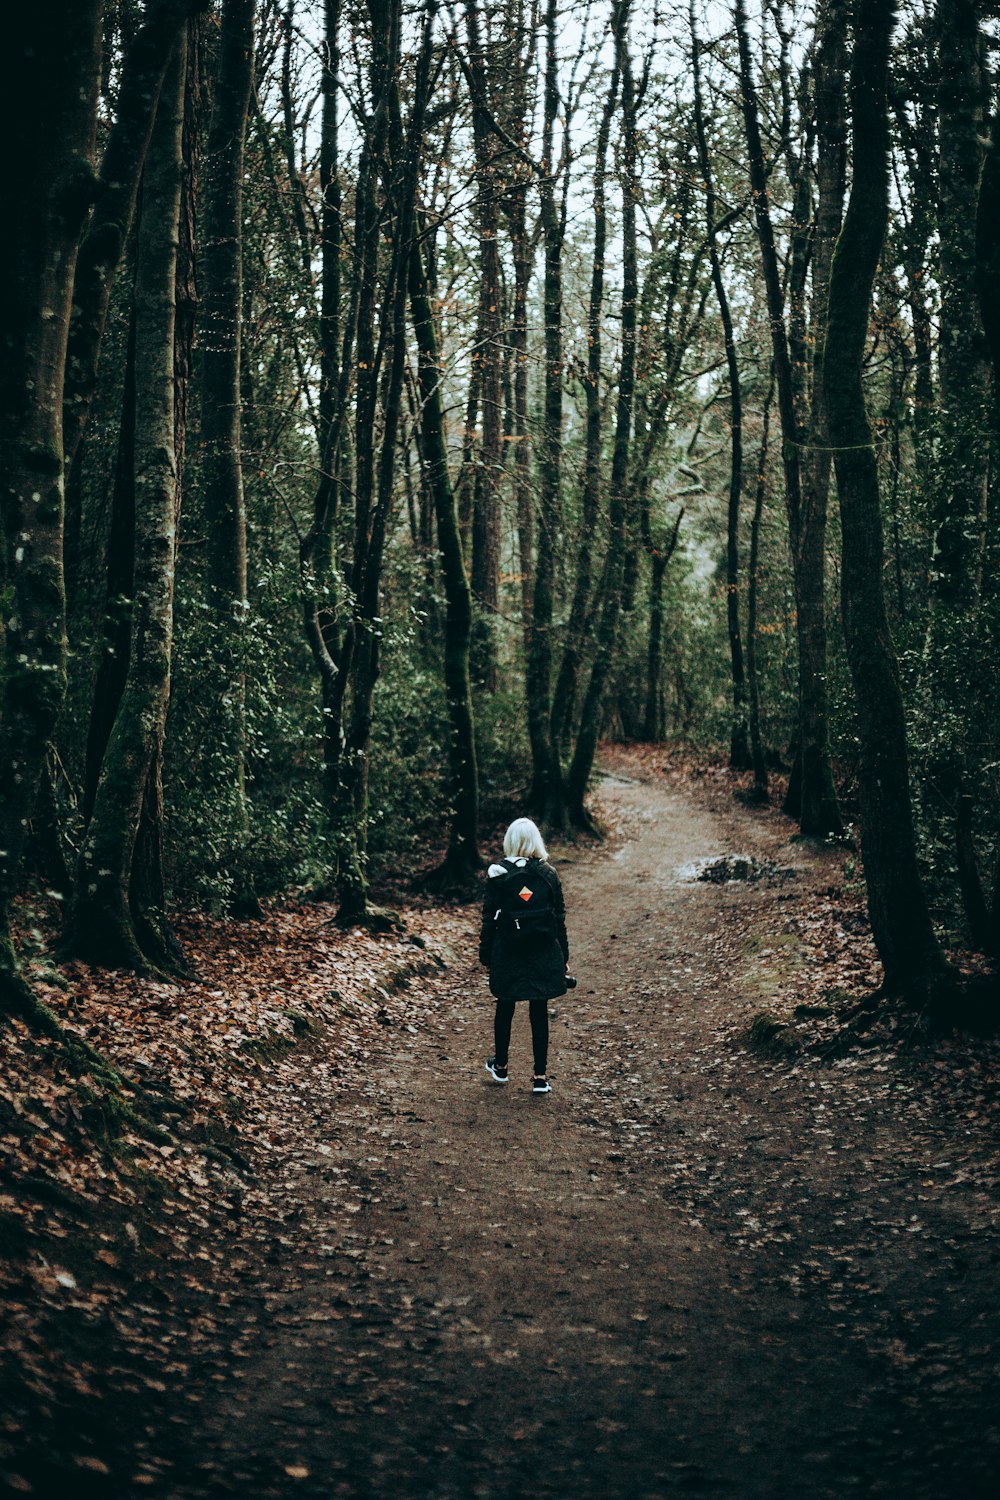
523,942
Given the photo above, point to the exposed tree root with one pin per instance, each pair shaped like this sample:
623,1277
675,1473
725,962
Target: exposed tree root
375,919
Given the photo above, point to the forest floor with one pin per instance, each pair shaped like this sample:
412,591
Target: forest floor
695,1267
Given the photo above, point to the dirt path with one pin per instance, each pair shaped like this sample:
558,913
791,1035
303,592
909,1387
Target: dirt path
689,1269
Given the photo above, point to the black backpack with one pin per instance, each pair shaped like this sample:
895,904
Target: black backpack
525,911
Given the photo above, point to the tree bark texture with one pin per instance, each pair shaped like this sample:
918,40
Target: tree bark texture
373,513
488,358
760,777
953,658
547,794
101,928
653,718
564,699
107,231
48,115
963,352
739,744
896,901
607,630
463,834
222,467
818,813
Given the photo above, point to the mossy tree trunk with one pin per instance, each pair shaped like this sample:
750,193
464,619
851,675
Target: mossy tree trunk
953,656
988,288
101,926
122,161
49,116
897,905
222,467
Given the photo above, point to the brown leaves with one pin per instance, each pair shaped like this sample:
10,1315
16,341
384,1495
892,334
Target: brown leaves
100,1219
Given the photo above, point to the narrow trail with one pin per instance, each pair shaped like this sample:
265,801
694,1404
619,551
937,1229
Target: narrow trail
688,1269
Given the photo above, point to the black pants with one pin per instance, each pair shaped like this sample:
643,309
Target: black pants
539,1013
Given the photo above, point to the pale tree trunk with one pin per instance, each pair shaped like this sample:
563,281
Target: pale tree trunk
901,924
100,926
489,361
547,794
222,467
515,205
48,114
653,725
612,584
816,805
739,745
760,779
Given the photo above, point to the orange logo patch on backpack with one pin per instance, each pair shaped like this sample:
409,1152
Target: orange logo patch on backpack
525,893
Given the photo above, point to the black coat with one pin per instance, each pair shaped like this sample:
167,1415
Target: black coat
515,975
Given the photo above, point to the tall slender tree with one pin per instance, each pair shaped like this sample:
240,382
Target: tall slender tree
739,744
547,789
222,462
488,358
818,812
897,905
612,583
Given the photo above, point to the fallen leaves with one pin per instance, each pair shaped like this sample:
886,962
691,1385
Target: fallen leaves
104,1226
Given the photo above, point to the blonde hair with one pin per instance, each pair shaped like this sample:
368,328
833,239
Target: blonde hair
523,841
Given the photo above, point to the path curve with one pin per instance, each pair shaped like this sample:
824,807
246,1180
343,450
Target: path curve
467,1291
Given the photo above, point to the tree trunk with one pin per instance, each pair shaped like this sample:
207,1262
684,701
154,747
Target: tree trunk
547,795
488,358
963,352
104,241
463,855
818,813
48,114
817,810
760,779
653,725
375,484
100,927
897,906
222,469
319,581
952,661
739,745
147,891
607,631
564,700
112,668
